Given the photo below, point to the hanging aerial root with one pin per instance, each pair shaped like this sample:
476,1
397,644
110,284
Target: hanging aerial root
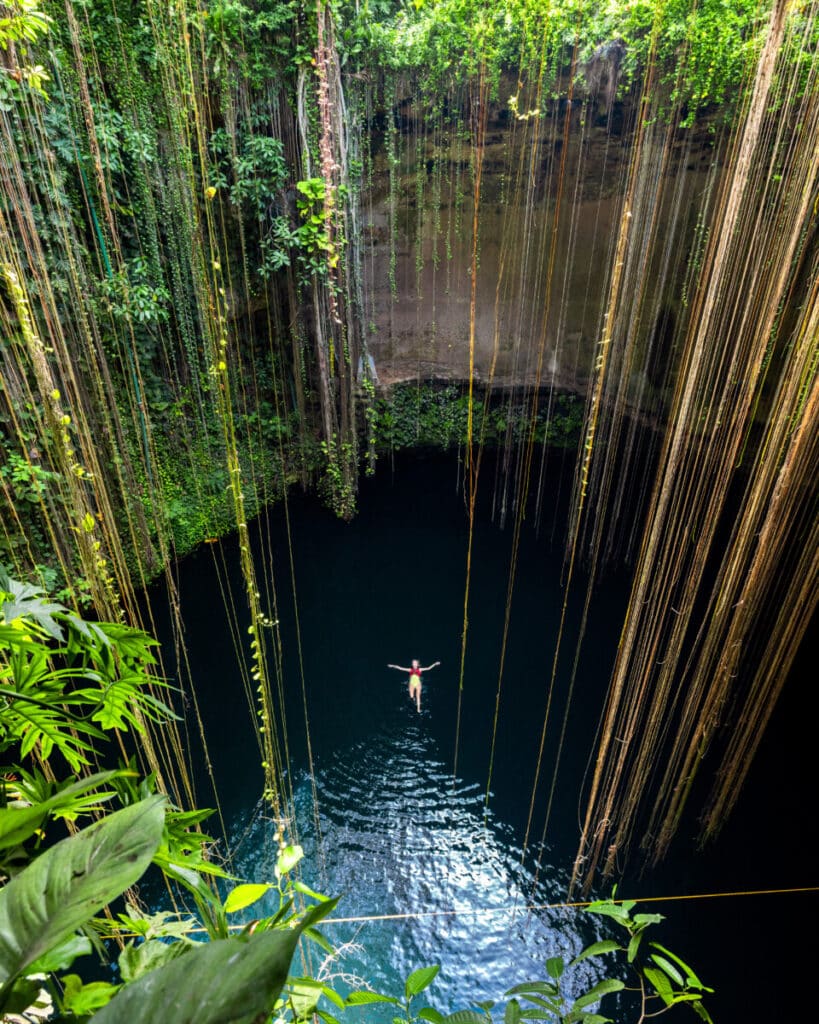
690,610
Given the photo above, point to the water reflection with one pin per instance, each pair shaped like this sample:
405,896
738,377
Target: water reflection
400,836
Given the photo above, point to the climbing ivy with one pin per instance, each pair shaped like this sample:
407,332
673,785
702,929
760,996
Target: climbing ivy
319,253
260,40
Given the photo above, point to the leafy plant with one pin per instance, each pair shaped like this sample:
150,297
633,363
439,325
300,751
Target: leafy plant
132,293
63,681
250,165
702,51
276,27
21,22
66,685
662,978
436,415
28,479
231,979
319,252
43,906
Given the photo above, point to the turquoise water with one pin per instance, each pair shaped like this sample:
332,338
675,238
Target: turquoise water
402,830
398,836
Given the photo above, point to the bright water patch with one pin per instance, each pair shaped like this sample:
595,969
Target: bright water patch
400,836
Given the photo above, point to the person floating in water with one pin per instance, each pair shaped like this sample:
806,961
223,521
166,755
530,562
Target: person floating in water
415,678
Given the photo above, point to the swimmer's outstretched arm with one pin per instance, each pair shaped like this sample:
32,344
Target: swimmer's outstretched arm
400,668
433,665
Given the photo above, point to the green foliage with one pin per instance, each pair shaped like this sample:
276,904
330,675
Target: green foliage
22,22
32,488
230,979
64,680
702,49
34,798
547,996
437,415
664,981
337,486
262,40
81,1000
132,293
250,165
48,656
64,887
27,479
319,253
191,473
419,980
662,976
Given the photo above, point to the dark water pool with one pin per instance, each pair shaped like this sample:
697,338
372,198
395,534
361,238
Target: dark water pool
399,831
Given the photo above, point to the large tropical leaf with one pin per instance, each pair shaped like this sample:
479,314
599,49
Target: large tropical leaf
228,981
74,880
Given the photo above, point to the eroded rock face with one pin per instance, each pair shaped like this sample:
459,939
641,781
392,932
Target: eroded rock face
549,216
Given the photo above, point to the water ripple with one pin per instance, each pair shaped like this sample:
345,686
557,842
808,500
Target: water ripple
399,835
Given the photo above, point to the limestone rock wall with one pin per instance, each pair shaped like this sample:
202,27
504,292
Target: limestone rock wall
544,266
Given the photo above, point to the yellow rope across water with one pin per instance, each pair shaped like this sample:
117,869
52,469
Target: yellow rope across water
424,915
567,905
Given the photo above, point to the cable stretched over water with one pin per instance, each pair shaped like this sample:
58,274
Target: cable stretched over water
418,915
568,905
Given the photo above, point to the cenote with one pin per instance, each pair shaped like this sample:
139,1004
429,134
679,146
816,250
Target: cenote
399,833
335,335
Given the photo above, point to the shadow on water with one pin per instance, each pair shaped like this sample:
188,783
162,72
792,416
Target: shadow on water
399,831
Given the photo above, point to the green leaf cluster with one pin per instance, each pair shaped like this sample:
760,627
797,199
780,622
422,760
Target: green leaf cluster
319,252
701,50
563,995
64,681
259,40
663,977
22,22
67,684
437,416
